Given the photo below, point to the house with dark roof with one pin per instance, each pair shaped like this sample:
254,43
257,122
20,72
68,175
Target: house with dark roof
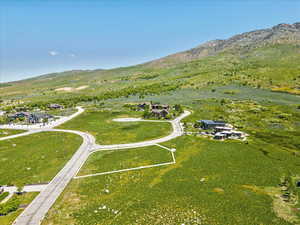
159,113
143,106
39,117
31,117
160,106
211,124
55,106
18,115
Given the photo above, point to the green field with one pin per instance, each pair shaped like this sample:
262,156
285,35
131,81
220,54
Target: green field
8,132
233,173
126,158
24,200
224,183
106,131
35,158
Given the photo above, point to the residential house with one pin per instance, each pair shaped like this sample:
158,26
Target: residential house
159,113
221,129
219,136
143,106
39,118
160,106
55,106
19,115
211,124
31,117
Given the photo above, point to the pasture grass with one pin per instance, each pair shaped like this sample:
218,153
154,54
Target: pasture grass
212,183
24,200
124,159
35,158
106,131
9,132
207,185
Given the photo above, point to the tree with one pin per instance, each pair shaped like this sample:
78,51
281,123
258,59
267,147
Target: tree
178,108
147,114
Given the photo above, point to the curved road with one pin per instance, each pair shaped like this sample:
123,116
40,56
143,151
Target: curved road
177,131
38,208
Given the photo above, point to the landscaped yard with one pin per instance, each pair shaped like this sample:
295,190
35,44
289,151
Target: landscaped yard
124,159
106,131
8,132
35,158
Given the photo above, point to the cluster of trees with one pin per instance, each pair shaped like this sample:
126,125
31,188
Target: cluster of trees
178,108
175,111
141,91
71,101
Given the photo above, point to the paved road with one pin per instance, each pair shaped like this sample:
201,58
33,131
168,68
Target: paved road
177,131
36,211
39,207
26,188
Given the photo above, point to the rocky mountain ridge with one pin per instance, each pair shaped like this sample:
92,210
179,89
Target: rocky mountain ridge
281,33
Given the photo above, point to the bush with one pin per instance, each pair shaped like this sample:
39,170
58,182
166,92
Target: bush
3,195
147,114
10,206
178,108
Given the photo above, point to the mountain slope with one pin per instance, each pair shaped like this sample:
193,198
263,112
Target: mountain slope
282,33
265,58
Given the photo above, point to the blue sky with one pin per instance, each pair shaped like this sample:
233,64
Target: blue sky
43,36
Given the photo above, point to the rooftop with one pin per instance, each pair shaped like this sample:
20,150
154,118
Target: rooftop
211,122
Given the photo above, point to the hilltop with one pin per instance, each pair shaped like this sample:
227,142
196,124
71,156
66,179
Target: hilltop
279,34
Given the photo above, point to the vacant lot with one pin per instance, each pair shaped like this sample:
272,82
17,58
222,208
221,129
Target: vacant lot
211,179
123,159
212,183
106,131
35,158
8,132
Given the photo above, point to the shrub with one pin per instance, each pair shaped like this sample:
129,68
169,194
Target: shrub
3,195
10,206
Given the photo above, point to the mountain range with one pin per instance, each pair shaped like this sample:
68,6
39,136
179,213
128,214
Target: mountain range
265,58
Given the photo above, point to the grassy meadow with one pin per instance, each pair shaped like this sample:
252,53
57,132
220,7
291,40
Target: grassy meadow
8,132
212,183
225,183
125,158
101,125
35,158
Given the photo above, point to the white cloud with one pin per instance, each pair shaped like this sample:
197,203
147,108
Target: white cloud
53,53
72,55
